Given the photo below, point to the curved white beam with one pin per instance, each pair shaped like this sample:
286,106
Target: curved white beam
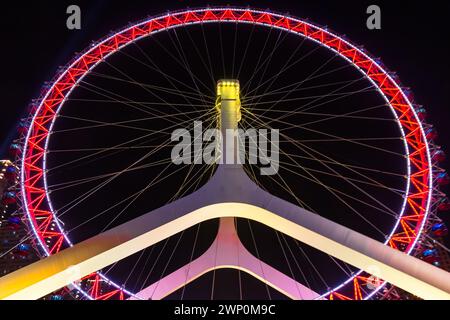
226,251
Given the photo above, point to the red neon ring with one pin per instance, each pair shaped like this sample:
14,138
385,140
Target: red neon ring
33,183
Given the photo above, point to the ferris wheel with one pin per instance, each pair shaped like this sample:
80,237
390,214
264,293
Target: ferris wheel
94,154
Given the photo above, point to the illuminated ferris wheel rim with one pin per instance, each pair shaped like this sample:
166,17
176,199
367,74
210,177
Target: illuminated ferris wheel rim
33,163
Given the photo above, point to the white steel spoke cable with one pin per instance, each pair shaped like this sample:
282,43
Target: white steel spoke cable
88,194
221,49
167,263
345,165
196,157
214,270
166,241
200,55
251,173
110,95
248,99
134,196
196,80
368,89
171,80
100,124
187,64
295,142
339,96
291,271
89,159
302,204
305,280
298,86
176,246
155,181
346,269
152,93
176,125
262,51
349,139
371,182
239,263
330,116
348,180
350,166
234,49
311,104
247,45
182,64
333,191
259,258
398,192
312,265
284,185
144,103
99,149
191,258
132,269
189,181
208,56
176,92
152,184
156,68
144,267
335,137
440,244
69,184
284,69
29,235
312,74
267,62
389,210
146,109
102,151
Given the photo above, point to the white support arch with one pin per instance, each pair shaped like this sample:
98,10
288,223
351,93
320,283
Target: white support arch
226,251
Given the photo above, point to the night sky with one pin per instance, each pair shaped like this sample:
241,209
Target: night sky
413,42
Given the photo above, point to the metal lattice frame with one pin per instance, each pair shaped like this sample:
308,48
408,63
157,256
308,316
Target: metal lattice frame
419,198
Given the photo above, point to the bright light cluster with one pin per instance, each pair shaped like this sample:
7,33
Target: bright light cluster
223,85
